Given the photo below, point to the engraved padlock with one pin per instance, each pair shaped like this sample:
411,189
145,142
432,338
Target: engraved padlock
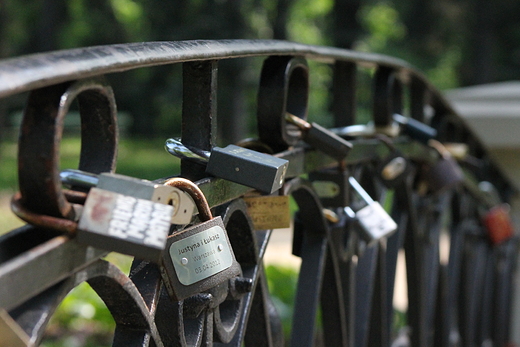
375,223
124,224
182,203
445,173
269,211
261,171
321,138
199,257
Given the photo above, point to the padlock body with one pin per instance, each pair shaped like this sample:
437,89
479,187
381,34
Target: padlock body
327,142
393,169
332,187
245,166
498,224
124,224
197,259
269,211
375,222
183,205
444,174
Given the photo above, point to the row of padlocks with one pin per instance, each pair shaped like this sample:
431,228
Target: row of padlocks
135,217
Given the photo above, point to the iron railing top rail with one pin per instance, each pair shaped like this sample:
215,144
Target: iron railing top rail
39,70
42,69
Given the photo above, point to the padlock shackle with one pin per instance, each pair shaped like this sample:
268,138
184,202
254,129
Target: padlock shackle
176,148
357,187
196,194
73,177
302,124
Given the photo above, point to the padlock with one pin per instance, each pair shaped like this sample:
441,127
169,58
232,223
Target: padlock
496,217
199,257
498,224
393,168
183,206
269,211
321,138
261,171
332,187
445,173
124,224
375,223
415,129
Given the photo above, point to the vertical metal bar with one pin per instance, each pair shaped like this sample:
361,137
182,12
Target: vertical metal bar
344,93
418,94
314,251
335,329
365,278
378,329
199,111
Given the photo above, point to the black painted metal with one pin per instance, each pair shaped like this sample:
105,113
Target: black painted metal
349,284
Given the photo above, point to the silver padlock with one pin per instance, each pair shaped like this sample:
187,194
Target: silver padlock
375,223
182,203
124,224
199,257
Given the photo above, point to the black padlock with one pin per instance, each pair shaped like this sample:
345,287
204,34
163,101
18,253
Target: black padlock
415,129
321,138
237,164
199,257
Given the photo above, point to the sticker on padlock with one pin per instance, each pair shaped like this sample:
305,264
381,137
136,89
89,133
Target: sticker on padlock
269,212
321,138
182,203
199,257
261,171
124,224
498,224
375,223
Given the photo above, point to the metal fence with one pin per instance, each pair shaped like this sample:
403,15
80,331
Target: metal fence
364,192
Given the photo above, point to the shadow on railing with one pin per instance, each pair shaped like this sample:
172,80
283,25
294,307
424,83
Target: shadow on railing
363,193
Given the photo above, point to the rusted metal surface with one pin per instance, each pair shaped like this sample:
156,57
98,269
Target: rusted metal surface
349,281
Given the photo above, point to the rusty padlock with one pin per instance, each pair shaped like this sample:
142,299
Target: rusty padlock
198,257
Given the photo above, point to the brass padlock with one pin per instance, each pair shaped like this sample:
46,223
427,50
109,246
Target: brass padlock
199,257
395,167
269,211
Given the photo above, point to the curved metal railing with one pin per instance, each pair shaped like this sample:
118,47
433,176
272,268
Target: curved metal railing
428,188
